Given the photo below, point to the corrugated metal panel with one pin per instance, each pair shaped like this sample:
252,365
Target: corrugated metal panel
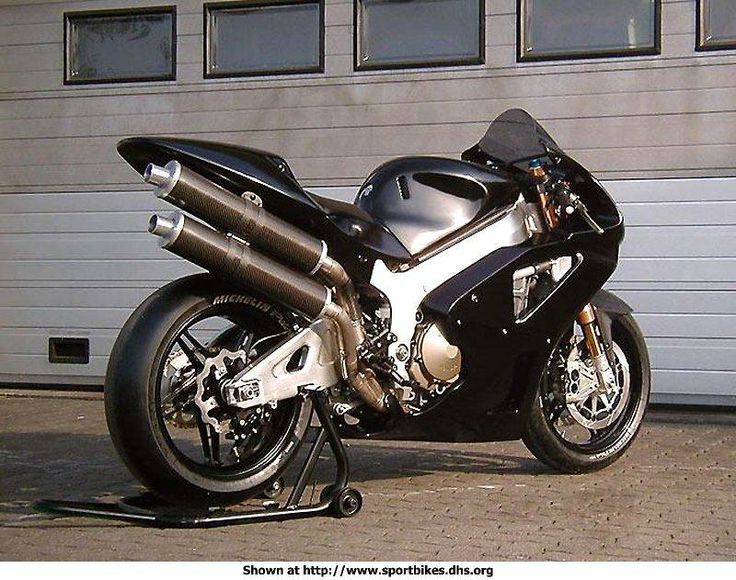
667,115
678,270
74,260
86,276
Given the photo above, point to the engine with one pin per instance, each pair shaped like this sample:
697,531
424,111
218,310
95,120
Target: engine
434,363
431,363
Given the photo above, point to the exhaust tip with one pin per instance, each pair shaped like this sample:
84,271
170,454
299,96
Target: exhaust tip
159,225
164,178
156,174
166,227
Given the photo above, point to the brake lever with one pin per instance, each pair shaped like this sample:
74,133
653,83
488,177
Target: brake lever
572,203
583,211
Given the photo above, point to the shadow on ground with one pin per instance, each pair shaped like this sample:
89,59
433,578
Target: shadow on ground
81,466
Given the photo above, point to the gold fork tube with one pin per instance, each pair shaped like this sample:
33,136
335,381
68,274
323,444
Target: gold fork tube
587,321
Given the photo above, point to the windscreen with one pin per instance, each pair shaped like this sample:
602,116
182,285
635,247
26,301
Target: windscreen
514,137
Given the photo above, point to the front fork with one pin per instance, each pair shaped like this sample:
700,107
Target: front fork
589,323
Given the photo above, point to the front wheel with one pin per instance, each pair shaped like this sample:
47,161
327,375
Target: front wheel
574,427
163,401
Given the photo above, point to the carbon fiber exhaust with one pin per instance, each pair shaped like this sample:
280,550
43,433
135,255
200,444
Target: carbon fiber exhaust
227,212
235,261
230,213
231,259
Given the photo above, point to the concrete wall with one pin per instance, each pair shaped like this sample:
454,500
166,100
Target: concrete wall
74,260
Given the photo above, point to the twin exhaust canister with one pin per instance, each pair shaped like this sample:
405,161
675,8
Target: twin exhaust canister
286,274
227,212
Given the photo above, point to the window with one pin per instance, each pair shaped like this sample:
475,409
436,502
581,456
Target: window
716,24
416,33
264,37
558,29
120,45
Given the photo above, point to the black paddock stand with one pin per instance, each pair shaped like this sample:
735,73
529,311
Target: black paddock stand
337,499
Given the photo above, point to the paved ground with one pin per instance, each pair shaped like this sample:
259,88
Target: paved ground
671,497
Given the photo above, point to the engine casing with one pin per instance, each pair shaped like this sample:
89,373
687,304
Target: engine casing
434,362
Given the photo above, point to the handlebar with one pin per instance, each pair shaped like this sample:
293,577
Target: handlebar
572,203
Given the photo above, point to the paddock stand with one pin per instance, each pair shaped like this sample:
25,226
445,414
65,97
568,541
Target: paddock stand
337,499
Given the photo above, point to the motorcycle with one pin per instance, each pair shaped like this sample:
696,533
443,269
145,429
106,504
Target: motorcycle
454,300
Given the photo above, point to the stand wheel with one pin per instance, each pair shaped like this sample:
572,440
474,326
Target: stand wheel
347,503
274,488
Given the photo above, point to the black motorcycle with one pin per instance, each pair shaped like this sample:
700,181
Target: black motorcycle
454,300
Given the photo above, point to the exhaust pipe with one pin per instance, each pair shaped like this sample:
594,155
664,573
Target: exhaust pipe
226,211
238,263
230,213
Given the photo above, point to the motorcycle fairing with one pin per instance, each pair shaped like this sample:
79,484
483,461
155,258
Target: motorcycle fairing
235,168
502,357
404,208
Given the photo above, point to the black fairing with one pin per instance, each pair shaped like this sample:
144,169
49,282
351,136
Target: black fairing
438,197
424,200
503,358
232,167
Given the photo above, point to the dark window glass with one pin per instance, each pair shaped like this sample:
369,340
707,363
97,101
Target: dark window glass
120,46
716,24
264,38
587,28
396,33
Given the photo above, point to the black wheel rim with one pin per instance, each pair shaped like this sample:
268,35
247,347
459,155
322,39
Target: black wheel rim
601,440
270,442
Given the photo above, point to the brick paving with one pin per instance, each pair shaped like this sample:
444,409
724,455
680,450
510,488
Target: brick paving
670,498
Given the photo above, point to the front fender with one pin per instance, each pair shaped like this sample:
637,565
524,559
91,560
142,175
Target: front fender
609,302
609,307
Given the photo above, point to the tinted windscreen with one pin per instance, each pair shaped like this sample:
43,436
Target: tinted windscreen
515,136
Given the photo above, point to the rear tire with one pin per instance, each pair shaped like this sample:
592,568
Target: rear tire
133,396
552,449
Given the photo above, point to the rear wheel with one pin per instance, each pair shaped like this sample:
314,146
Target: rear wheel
163,403
575,427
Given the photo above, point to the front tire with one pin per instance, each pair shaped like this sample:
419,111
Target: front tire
549,443
134,404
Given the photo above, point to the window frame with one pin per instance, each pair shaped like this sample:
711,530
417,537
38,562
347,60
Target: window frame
144,10
358,65
654,50
701,45
210,74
